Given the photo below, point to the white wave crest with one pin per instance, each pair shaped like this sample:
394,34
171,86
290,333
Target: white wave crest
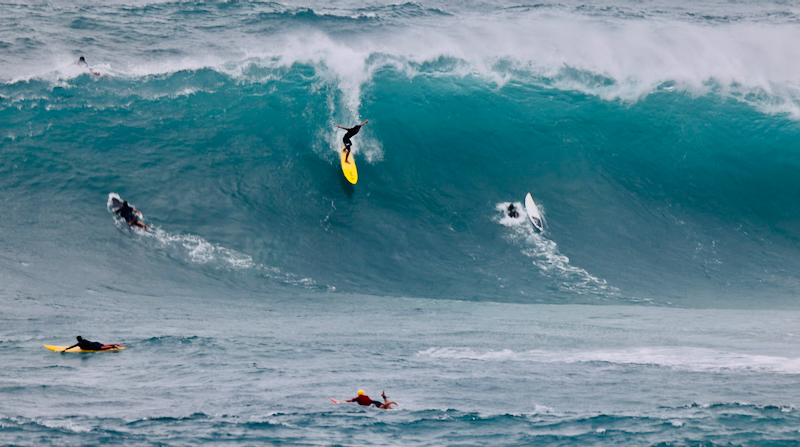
681,358
622,56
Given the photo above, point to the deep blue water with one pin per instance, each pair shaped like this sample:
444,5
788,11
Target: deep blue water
660,141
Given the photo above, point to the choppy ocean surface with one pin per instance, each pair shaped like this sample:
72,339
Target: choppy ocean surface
661,141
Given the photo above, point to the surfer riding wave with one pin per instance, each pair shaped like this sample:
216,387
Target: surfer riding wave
131,215
351,132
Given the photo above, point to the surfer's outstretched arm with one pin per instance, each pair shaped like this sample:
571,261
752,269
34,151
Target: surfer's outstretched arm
348,128
67,349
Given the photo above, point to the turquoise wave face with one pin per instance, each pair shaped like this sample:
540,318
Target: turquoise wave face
673,198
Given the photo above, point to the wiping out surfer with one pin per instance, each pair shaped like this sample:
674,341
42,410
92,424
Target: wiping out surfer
351,132
131,215
512,212
364,400
87,345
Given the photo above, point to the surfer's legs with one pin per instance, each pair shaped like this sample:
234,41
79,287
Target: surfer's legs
387,405
347,144
346,154
107,347
138,223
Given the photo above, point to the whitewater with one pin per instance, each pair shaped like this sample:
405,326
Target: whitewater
659,306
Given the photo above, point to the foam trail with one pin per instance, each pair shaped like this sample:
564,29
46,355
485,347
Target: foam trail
196,250
547,257
680,358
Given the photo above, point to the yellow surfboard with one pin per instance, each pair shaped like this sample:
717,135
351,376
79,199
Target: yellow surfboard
349,168
77,349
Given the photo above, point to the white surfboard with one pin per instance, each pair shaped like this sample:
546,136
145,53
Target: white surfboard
533,212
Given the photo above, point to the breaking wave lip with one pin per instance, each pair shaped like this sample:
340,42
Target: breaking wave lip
197,250
680,358
766,96
615,56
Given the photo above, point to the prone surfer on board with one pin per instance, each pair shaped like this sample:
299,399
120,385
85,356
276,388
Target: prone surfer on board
364,400
346,139
130,213
87,345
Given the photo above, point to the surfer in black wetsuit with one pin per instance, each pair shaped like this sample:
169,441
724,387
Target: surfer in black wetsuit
87,345
129,213
512,212
346,140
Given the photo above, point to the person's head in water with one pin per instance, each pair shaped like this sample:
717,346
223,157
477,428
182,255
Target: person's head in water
80,338
360,392
124,203
512,212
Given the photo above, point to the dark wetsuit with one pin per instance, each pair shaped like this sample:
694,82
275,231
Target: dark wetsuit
87,345
512,212
350,133
126,212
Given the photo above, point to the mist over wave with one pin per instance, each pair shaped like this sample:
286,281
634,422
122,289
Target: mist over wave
621,50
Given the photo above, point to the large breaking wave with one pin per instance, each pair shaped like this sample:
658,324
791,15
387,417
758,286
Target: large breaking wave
661,142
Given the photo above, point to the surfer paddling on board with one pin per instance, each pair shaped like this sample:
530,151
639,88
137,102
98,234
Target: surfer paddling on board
130,214
87,345
365,401
512,212
346,139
